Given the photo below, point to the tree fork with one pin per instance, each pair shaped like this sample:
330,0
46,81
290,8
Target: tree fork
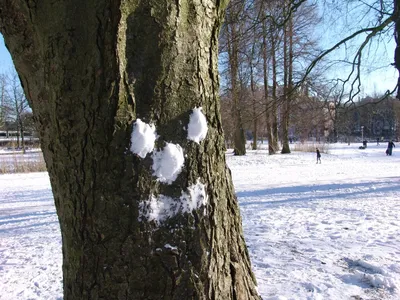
89,70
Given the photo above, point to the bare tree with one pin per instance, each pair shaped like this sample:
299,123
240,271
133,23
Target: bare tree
232,34
17,106
287,78
367,24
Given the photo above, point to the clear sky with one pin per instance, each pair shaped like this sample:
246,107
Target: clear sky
5,58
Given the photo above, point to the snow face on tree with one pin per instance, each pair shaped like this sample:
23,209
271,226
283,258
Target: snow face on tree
142,138
168,163
197,128
162,207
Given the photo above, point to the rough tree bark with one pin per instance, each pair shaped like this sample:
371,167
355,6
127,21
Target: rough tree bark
90,69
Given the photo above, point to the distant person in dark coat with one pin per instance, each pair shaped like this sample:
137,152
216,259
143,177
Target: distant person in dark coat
318,156
390,147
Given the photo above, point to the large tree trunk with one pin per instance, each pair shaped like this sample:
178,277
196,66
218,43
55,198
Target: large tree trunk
90,69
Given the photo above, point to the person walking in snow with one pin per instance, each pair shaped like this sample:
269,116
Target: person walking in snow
390,147
318,156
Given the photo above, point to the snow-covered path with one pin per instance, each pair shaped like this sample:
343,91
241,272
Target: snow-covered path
326,231
30,241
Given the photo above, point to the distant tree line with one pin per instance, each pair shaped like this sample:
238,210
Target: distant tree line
280,82
372,118
16,117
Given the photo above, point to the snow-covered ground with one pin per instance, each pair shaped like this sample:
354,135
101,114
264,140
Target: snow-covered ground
314,231
30,241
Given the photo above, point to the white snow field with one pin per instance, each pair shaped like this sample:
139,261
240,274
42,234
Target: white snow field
314,231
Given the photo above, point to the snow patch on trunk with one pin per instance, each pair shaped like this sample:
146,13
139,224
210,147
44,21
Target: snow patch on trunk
168,163
168,246
196,197
197,128
163,207
142,138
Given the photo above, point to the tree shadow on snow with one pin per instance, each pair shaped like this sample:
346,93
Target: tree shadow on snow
314,192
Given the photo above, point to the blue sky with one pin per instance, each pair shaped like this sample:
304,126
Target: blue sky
5,58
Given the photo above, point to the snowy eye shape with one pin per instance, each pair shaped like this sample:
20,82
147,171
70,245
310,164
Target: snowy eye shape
142,138
197,127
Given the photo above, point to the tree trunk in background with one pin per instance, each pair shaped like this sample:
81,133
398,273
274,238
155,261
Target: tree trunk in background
292,94
18,133
239,136
274,113
254,98
396,14
2,101
287,92
268,101
255,113
22,130
239,143
16,112
90,69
